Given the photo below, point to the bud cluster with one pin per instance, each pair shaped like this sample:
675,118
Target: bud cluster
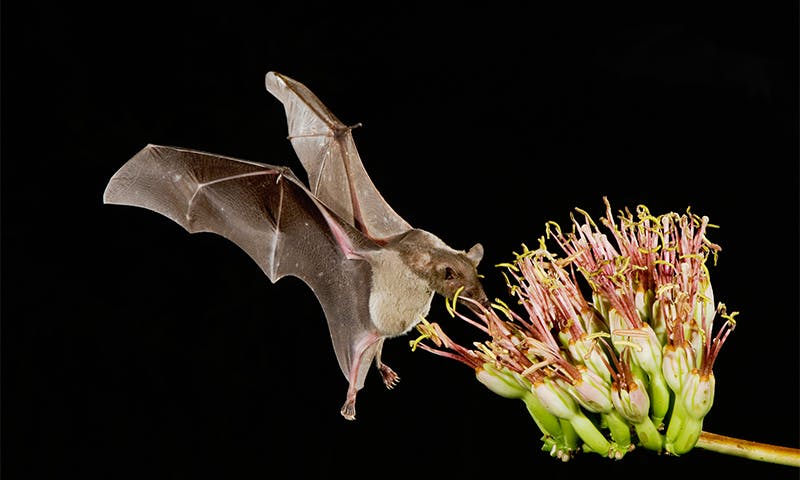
615,347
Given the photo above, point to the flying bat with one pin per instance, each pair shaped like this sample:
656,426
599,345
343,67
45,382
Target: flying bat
373,274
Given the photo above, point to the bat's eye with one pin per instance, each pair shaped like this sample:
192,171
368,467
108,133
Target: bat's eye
449,273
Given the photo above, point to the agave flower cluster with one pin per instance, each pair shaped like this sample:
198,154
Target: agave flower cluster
617,342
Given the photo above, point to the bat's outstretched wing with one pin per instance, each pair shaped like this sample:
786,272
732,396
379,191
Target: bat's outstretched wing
271,215
326,149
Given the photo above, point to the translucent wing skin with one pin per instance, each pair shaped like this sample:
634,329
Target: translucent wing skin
328,153
272,216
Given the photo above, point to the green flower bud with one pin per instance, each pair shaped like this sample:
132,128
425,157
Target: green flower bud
591,391
646,348
643,300
632,403
677,363
601,304
658,319
593,322
648,355
585,350
555,399
698,394
705,310
502,382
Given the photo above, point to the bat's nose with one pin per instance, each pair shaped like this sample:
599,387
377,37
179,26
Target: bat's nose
484,300
477,294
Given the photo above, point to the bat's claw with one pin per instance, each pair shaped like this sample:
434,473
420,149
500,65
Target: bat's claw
390,378
349,408
349,411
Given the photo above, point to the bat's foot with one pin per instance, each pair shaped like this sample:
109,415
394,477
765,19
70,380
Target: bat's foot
349,408
390,378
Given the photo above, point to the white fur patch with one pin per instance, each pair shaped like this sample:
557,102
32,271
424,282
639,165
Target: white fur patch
399,297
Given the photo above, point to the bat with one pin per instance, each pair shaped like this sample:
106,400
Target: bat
373,274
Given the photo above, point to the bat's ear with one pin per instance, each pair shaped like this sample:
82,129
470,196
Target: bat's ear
475,254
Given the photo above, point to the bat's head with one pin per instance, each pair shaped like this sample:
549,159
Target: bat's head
446,270
458,270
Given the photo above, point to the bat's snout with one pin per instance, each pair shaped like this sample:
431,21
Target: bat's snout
475,293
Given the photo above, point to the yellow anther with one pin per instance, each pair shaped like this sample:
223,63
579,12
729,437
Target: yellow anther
629,344
650,250
594,335
483,348
553,224
727,316
451,307
507,265
427,332
534,367
413,343
586,216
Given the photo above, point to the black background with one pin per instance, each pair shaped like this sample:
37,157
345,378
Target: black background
132,349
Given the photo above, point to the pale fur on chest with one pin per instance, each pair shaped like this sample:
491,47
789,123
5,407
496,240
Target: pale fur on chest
399,298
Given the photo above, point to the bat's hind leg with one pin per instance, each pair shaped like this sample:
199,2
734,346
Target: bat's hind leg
370,347
390,378
349,407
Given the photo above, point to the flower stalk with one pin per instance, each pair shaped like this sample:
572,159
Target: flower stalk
616,342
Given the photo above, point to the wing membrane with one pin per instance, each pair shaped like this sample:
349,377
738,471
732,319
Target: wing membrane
336,174
267,212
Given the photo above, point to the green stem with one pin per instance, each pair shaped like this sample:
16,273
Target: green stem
570,435
688,437
648,435
659,397
620,431
590,435
682,432
761,452
676,422
546,421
